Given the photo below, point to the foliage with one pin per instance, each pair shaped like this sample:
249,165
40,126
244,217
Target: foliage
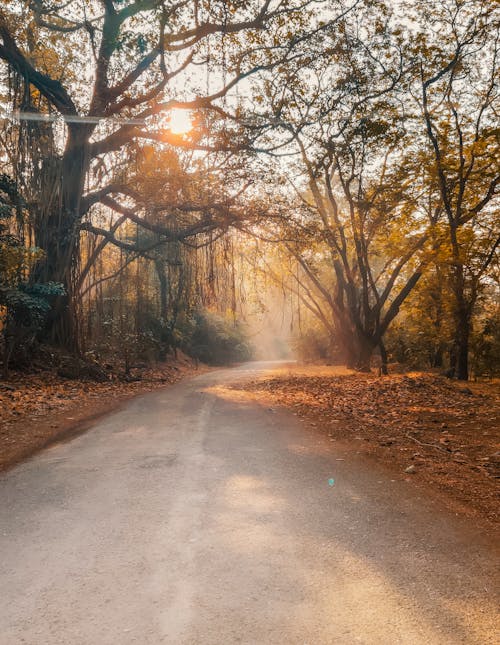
486,343
375,205
454,81
216,340
103,76
354,232
423,336
312,344
29,305
393,134
25,305
445,432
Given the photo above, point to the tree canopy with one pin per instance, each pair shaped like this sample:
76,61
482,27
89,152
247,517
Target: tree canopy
343,152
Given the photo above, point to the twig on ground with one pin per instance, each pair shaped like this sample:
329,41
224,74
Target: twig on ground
431,445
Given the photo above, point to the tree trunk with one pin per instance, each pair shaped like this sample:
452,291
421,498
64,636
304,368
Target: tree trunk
163,283
462,346
437,357
364,354
57,234
54,237
462,319
383,358
344,337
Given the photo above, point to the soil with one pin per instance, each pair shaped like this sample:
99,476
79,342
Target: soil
39,409
425,428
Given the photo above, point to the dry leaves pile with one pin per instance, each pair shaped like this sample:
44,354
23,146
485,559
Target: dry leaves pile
439,431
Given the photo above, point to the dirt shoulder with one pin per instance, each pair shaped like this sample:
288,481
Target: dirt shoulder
436,433
39,409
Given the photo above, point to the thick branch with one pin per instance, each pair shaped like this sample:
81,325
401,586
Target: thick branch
51,89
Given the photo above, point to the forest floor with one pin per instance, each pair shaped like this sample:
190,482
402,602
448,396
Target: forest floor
425,428
37,409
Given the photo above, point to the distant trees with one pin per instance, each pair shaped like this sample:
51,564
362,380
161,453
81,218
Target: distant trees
153,291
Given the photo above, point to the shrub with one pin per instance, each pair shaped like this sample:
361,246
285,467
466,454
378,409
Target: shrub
215,340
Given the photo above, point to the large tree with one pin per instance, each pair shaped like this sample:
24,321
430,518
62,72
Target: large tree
110,70
455,60
357,224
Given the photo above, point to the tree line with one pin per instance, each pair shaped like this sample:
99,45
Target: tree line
357,144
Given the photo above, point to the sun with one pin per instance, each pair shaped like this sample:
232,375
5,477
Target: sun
180,121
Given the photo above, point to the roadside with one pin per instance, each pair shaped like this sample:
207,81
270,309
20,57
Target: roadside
427,429
436,433
195,515
38,409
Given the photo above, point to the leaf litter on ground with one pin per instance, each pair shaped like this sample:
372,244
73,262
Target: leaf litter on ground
441,432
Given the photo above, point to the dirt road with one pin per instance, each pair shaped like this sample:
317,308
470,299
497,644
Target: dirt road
195,517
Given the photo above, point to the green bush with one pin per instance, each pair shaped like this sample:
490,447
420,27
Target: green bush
214,339
24,305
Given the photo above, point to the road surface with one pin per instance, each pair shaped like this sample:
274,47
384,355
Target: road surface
196,516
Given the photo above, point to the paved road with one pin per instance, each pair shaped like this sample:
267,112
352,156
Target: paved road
193,516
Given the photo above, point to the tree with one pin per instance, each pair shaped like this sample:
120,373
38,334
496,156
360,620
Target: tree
174,191
358,229
456,62
138,53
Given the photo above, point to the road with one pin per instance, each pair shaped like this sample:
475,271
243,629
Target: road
196,516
